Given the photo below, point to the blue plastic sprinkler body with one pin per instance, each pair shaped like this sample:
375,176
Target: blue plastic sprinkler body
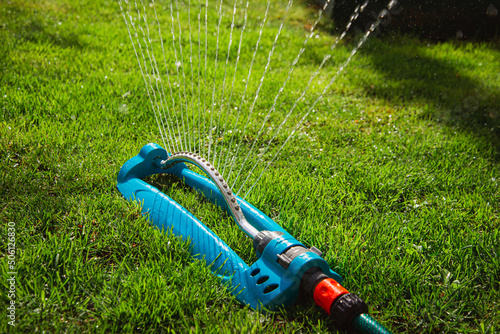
284,266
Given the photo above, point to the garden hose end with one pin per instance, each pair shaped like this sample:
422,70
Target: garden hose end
347,310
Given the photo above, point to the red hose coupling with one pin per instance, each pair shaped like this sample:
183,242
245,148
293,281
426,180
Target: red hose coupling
326,292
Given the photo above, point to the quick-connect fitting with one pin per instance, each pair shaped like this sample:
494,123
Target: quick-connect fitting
332,297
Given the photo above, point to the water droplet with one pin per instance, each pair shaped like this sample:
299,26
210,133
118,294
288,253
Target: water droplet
392,4
491,11
59,22
383,13
123,109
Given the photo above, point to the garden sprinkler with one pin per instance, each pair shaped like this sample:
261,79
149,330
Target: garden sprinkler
285,268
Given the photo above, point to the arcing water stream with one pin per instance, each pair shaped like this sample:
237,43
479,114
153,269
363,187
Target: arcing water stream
187,119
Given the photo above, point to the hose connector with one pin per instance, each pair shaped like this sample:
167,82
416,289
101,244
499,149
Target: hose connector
345,308
332,297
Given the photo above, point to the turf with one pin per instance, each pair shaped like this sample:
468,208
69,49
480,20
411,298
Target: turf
394,177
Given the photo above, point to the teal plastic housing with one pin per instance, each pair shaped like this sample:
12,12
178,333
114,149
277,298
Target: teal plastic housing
265,283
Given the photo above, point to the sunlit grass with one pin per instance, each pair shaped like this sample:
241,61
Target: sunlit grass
394,177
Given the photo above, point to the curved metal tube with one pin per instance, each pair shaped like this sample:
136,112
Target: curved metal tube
217,178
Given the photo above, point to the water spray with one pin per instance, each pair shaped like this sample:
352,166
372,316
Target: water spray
285,268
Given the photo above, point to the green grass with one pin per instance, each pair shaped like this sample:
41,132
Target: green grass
394,177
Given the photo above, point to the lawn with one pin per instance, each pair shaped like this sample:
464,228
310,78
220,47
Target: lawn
394,174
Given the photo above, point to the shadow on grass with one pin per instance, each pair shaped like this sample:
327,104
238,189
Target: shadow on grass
442,85
41,24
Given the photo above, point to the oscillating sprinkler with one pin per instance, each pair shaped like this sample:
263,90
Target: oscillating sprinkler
284,268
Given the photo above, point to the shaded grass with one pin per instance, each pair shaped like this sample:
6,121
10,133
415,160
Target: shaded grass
394,177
